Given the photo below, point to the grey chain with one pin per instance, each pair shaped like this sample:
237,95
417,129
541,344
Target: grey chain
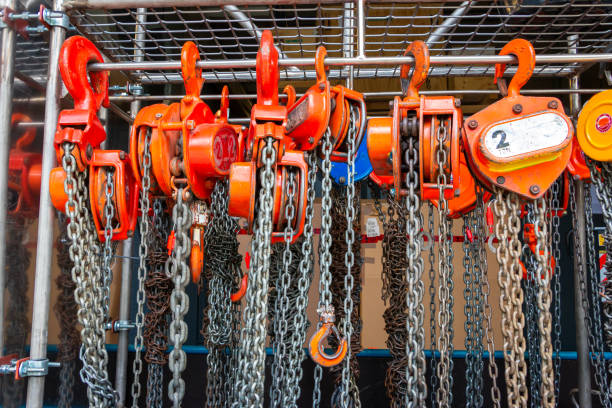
432,303
178,270
555,221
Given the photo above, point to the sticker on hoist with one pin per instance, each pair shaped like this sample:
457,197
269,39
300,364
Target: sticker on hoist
526,135
372,228
224,150
297,116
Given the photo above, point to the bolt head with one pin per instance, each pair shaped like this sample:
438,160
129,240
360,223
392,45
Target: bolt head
518,108
473,124
501,180
158,116
553,105
311,140
122,155
342,180
457,102
534,189
89,151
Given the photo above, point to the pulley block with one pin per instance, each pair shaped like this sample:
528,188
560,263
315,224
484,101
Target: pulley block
594,128
521,144
430,120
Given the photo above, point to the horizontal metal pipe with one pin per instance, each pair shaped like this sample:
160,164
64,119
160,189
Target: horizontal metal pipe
335,62
111,4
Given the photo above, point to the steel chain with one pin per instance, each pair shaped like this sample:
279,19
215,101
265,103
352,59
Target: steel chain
555,221
107,254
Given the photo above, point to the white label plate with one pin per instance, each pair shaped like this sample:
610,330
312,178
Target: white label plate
372,227
527,135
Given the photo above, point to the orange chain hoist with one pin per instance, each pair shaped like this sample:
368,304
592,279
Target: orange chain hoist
268,119
25,171
519,143
421,117
81,127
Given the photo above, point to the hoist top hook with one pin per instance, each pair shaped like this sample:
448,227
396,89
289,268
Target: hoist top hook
28,135
88,90
267,71
224,104
289,90
320,64
525,54
410,88
192,75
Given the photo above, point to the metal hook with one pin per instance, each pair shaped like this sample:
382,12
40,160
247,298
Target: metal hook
525,54
88,90
239,294
410,88
290,91
267,71
192,75
28,135
320,64
224,104
315,346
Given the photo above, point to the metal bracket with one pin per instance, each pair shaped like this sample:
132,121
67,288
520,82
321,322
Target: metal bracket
119,325
28,368
127,89
52,18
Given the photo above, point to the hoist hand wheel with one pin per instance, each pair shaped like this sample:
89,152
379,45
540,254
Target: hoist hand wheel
267,71
525,54
28,135
316,350
89,91
410,87
192,75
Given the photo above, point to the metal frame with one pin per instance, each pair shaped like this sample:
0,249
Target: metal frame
363,41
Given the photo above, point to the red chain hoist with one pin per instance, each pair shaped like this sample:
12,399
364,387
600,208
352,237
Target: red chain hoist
25,170
421,117
81,127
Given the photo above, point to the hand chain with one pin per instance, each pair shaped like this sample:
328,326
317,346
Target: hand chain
507,228
480,242
555,221
17,326
279,390
394,265
250,381
178,270
468,311
477,306
432,302
87,276
593,313
445,345
532,313
222,274
158,288
325,295
415,343
300,322
543,275
143,250
107,256
66,312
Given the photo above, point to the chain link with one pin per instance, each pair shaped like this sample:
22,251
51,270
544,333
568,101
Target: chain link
555,221
107,255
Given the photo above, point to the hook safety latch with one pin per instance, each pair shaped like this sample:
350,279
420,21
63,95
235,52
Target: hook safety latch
315,346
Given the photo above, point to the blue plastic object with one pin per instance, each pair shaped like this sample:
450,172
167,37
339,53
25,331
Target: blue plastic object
363,167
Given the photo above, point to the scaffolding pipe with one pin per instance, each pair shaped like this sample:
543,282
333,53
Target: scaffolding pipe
113,4
582,342
342,62
7,69
44,250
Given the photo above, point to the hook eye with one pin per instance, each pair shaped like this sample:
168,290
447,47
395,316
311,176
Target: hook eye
320,64
88,90
410,88
239,294
525,54
192,76
317,352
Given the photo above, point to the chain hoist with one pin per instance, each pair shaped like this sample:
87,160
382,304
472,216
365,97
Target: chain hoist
593,128
158,288
84,189
518,147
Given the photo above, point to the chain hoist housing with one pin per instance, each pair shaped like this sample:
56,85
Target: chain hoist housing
594,128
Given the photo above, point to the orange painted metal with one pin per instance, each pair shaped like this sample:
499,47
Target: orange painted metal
530,171
24,171
317,352
420,117
125,197
242,193
89,91
577,165
239,294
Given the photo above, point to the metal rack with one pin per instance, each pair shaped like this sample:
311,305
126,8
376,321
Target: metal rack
364,40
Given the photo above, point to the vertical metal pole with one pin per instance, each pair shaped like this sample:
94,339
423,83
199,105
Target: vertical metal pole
7,69
582,344
44,250
347,39
361,27
126,265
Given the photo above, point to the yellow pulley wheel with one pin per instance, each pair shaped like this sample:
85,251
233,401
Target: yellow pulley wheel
594,130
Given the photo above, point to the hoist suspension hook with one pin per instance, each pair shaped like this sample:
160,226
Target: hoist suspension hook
89,91
192,75
239,294
525,54
289,90
320,64
223,105
267,71
315,346
410,87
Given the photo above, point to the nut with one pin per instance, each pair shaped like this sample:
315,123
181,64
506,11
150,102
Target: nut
518,108
534,189
473,124
501,179
553,105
